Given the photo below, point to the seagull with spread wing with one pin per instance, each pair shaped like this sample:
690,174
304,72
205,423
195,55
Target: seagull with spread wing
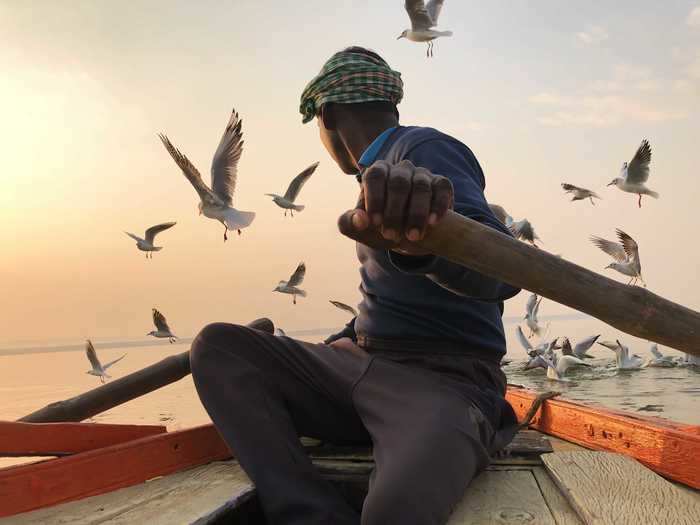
423,19
287,201
217,201
623,359
292,285
146,244
532,309
580,349
633,176
625,253
162,328
579,194
98,369
659,360
344,307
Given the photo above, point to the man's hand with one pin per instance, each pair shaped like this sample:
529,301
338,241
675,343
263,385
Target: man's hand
401,201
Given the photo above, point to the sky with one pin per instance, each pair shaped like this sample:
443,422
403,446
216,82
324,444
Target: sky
543,92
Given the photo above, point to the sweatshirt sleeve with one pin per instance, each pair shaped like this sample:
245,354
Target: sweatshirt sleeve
455,161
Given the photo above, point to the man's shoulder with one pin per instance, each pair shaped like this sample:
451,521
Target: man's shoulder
410,137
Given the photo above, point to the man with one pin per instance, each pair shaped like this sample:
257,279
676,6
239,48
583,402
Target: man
416,374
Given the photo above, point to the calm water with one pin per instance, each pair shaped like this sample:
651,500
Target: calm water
31,381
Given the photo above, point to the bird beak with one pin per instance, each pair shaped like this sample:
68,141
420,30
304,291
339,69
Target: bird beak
399,37
611,183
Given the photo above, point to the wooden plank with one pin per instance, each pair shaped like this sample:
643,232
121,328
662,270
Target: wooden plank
28,487
608,488
183,497
503,497
631,309
665,447
558,505
60,439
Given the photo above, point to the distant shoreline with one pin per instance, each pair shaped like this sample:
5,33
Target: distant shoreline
78,347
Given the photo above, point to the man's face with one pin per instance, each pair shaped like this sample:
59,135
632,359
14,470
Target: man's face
336,148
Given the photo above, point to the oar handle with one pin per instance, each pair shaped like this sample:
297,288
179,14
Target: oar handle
631,309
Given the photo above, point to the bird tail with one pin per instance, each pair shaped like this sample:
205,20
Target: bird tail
653,194
298,207
301,293
239,219
444,33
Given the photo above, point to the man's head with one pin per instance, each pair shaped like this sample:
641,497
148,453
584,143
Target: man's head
354,98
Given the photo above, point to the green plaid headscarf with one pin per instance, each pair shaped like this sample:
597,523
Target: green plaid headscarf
349,77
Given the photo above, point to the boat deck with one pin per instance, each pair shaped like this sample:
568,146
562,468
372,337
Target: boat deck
540,480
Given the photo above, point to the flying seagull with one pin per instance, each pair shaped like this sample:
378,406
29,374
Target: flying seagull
344,307
423,19
579,194
163,330
625,253
524,231
146,244
217,201
633,176
98,369
287,201
291,286
622,358
580,349
532,308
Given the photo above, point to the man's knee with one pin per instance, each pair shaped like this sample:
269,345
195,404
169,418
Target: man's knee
209,344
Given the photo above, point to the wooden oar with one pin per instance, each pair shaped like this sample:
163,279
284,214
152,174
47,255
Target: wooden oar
119,391
631,309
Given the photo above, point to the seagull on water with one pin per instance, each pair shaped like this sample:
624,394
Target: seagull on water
688,361
633,176
344,307
217,201
579,194
98,369
163,330
146,244
291,286
622,355
557,366
423,19
625,253
540,355
580,349
287,201
658,359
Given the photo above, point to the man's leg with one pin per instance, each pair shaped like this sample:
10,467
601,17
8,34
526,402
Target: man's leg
262,391
429,442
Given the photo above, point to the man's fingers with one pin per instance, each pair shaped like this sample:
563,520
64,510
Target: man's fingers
398,188
374,190
419,204
442,199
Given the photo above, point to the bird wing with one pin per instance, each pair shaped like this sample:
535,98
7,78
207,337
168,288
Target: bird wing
501,214
135,237
523,340
434,7
417,12
155,230
613,249
638,168
585,344
567,361
159,321
654,349
224,166
92,356
570,187
531,303
345,307
298,182
298,276
611,345
629,245
536,362
112,362
189,170
537,309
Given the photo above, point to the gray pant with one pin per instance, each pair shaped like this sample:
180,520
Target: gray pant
432,420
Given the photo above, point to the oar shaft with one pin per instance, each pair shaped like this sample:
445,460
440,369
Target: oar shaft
631,309
117,392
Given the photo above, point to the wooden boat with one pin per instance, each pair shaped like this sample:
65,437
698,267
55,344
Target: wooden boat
577,463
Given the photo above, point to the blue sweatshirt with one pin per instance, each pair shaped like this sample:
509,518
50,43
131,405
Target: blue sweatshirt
430,301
